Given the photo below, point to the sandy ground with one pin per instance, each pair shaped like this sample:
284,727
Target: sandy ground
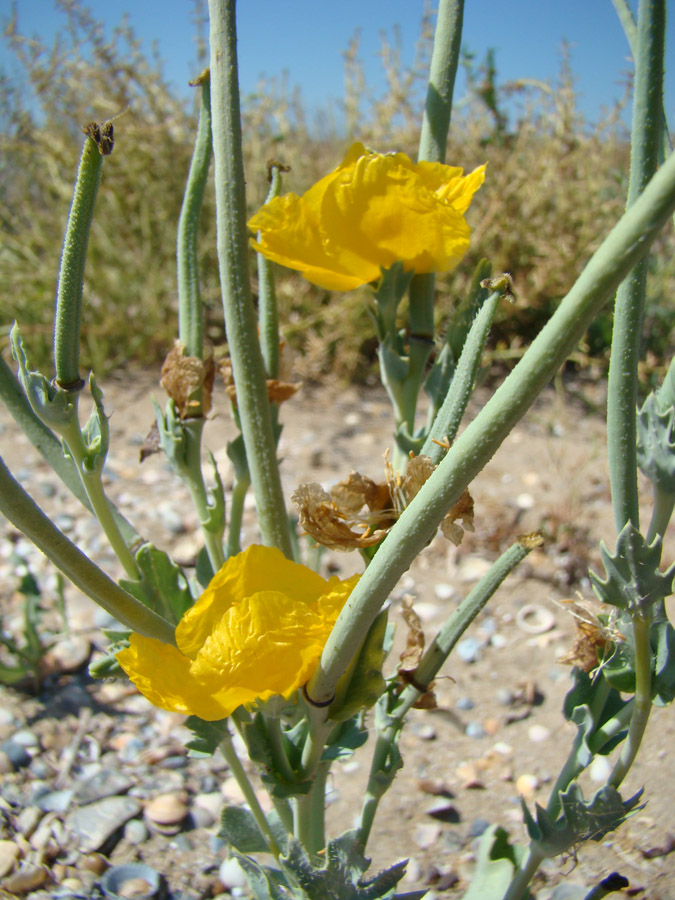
498,731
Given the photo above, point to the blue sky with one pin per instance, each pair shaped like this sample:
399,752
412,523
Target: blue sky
306,39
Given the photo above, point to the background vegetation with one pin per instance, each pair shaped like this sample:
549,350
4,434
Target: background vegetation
555,186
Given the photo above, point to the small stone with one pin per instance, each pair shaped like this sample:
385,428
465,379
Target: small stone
538,733
465,703
505,697
468,649
69,655
524,501
474,730
527,785
26,738
28,820
443,811
135,832
426,835
473,568
16,753
211,801
231,874
424,731
166,809
600,769
94,862
478,827
6,718
108,783
202,817
55,801
491,725
28,878
96,823
444,591
9,856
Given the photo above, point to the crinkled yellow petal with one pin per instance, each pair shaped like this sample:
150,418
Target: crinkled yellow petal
268,644
162,674
372,210
386,214
289,234
459,192
256,569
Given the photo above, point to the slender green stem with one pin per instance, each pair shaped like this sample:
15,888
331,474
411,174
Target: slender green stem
625,245
190,315
436,655
447,421
239,490
91,481
642,700
609,729
276,742
240,320
664,503
240,776
21,510
629,307
523,875
71,274
267,299
193,477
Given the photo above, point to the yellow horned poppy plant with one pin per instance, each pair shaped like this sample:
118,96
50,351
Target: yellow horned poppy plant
371,211
256,631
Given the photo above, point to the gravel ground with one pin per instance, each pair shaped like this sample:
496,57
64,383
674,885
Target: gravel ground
93,776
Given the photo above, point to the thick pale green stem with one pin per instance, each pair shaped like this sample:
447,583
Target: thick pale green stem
26,515
71,274
523,876
629,308
267,299
444,62
240,320
625,245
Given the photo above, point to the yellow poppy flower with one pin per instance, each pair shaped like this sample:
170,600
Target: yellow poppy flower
257,630
373,210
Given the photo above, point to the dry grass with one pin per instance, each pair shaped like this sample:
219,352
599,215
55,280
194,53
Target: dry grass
555,187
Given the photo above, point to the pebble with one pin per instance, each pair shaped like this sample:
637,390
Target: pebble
472,568
526,785
28,878
55,801
468,649
444,591
135,832
474,730
231,874
465,703
212,801
166,809
426,835
9,855
69,655
202,817
6,717
96,823
538,733
131,880
505,697
26,738
108,783
478,827
28,820
600,769
16,753
443,811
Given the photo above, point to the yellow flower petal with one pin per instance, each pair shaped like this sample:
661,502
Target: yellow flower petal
258,630
371,211
256,569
